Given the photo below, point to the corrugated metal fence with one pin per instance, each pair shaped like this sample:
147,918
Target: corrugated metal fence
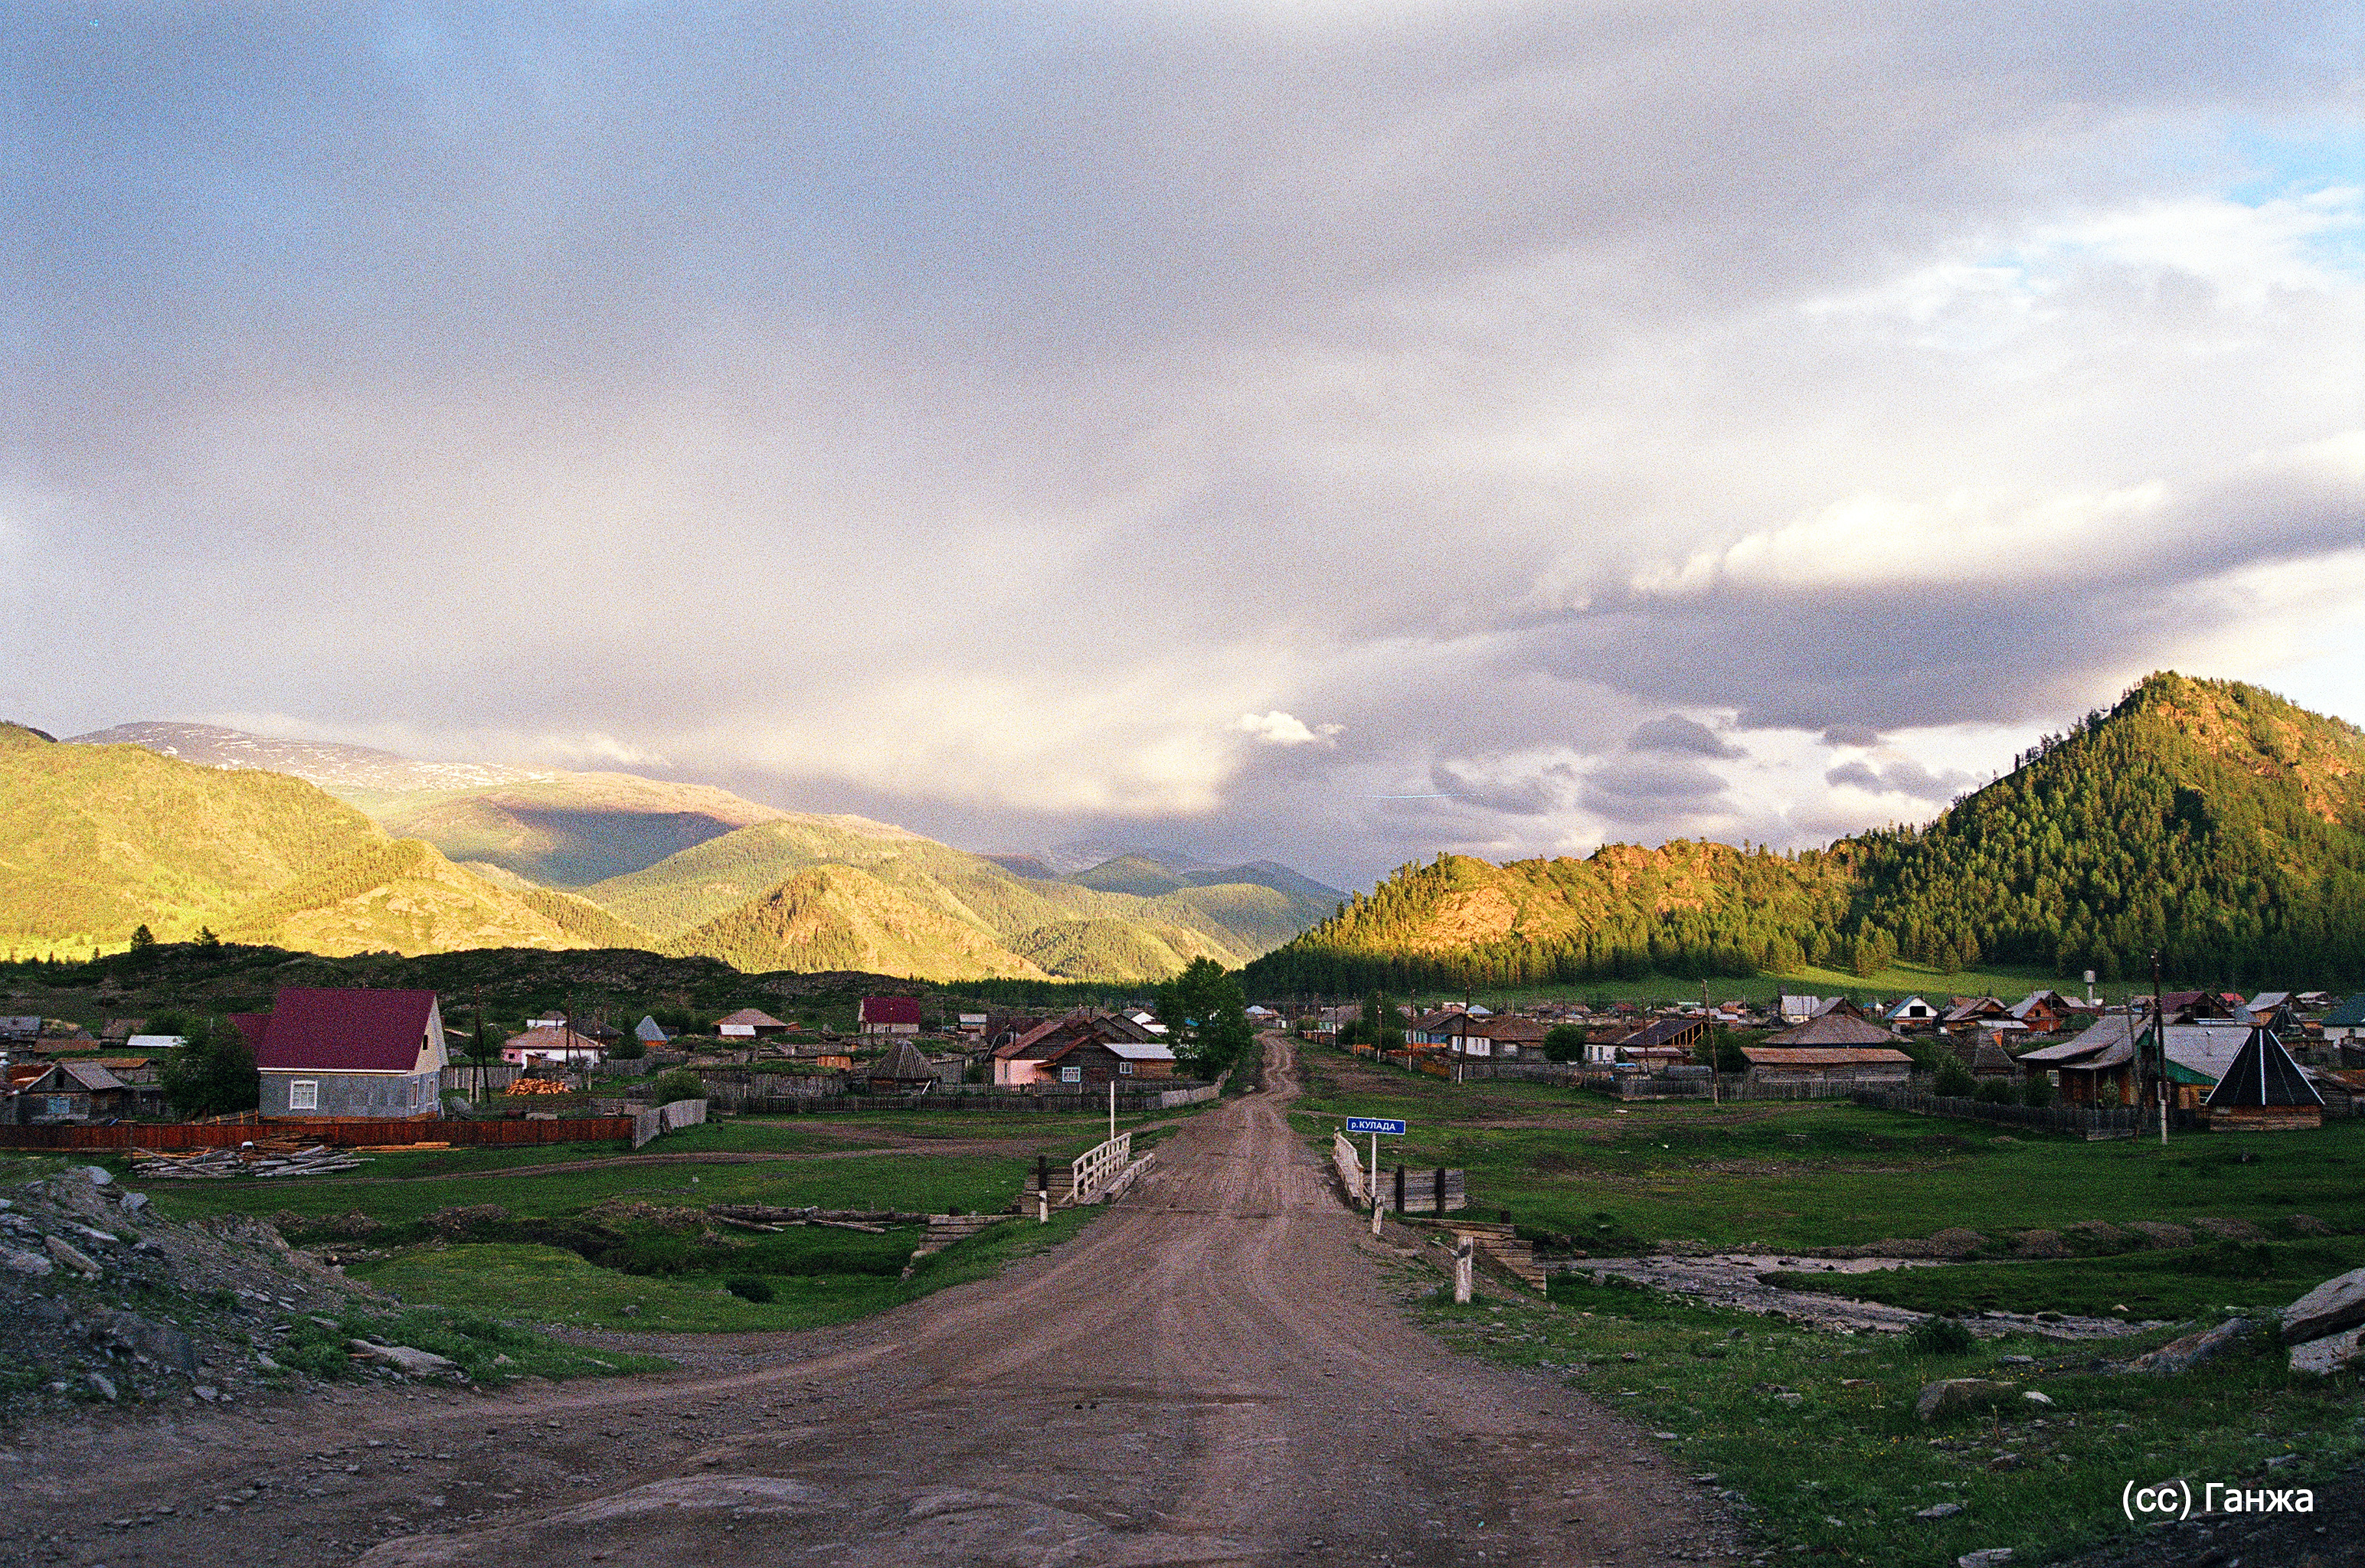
346,1134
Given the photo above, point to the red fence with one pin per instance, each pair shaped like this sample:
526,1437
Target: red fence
345,1134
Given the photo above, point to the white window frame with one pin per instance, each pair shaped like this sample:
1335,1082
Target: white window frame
1125,1067
1071,1075
303,1094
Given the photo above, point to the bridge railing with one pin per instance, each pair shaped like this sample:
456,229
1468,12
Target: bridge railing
1093,1170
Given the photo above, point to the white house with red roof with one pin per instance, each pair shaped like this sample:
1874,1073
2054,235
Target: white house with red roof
367,1054
891,1015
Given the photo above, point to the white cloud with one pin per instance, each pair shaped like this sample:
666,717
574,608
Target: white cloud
1278,728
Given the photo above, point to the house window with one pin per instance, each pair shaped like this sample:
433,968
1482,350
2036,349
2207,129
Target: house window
1125,1067
1071,1075
304,1095
59,1106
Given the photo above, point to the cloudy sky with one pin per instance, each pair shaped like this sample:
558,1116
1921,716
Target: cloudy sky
1333,431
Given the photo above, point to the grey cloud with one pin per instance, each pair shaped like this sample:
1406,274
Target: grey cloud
1850,735
1678,733
902,360
1904,777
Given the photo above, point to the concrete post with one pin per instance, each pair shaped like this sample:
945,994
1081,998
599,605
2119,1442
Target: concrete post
1461,1271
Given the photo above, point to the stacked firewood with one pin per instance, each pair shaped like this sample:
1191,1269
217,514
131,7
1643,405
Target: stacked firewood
269,1157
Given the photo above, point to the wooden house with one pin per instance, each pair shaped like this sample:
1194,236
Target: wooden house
2099,1057
1912,1014
1859,1066
1046,1053
1669,1039
72,1091
891,1015
2345,1025
2042,1011
553,1046
353,1054
748,1024
1835,1029
1965,1014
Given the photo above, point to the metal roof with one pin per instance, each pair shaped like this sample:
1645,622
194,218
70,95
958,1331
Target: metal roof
1822,1056
314,1030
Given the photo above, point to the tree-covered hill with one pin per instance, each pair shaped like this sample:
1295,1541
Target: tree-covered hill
2209,821
95,840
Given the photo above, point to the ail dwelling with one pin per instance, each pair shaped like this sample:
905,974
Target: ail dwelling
362,1054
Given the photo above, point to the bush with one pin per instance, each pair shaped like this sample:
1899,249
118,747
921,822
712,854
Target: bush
1940,1336
1995,1091
1564,1042
679,1083
748,1287
1955,1079
2036,1090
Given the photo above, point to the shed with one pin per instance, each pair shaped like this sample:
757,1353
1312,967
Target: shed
749,1023
902,1067
560,1046
650,1033
2346,1022
2263,1090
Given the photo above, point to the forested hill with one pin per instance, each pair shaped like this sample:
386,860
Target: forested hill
2208,820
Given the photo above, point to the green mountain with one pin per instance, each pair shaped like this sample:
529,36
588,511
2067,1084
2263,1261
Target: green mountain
1047,924
179,826
95,840
98,839
2209,821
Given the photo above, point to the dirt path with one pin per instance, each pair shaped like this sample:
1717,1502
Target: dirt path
1213,1372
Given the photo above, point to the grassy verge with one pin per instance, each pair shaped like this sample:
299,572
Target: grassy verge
1823,1174
1816,1432
551,1287
491,1351
2225,1278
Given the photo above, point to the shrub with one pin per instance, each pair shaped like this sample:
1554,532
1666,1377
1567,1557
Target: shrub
2036,1090
1941,1336
1955,1079
679,1083
2108,1096
748,1287
1995,1091
1564,1042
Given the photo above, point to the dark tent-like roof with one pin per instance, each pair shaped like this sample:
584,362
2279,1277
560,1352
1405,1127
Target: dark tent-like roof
2264,1074
904,1064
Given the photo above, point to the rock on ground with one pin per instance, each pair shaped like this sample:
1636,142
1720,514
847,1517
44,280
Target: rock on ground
1939,1400
2182,1355
2336,1305
2330,1354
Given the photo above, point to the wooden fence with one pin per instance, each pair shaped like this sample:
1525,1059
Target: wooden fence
1437,1190
339,1133
2093,1121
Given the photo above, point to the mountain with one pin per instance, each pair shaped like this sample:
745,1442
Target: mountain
2210,821
98,839
555,828
839,917
406,897
1043,923
337,769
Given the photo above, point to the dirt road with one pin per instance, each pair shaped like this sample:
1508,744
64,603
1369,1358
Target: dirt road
1215,1371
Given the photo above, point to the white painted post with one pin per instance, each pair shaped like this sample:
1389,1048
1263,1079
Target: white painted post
1112,1110
1373,1181
1461,1271
1042,1206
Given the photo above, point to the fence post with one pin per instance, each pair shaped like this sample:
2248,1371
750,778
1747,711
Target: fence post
1461,1271
1441,1192
1400,1187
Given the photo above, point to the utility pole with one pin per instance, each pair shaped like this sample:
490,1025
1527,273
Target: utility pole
2159,1042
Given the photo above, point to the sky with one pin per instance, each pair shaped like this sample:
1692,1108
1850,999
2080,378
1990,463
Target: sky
1335,432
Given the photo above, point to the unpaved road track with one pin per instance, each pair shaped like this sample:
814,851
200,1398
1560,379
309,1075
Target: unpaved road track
1215,1371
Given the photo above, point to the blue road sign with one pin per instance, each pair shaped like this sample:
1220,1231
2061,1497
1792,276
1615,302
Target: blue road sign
1374,1125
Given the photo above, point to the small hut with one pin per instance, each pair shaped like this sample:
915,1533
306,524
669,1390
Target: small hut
2263,1090
904,1068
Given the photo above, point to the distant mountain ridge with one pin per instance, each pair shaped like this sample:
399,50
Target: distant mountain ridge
2211,822
367,850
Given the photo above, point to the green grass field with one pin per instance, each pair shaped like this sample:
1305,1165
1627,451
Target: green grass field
1839,1472
578,1246
1824,1174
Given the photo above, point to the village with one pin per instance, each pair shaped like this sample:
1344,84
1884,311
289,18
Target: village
2275,1057
1582,1188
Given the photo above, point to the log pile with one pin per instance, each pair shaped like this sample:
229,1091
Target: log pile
538,1086
766,1216
270,1156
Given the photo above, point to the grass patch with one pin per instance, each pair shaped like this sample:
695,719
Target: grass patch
553,1286
1820,1173
491,1351
1816,1431
2223,1278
